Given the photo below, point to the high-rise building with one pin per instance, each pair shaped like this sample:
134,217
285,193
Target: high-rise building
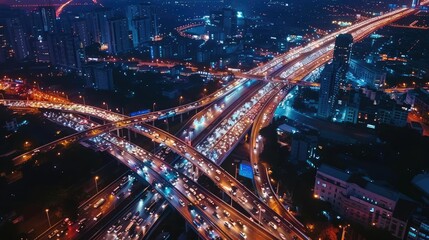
119,39
99,77
80,29
226,20
142,22
66,51
13,35
343,50
48,18
141,31
98,25
19,40
329,87
334,75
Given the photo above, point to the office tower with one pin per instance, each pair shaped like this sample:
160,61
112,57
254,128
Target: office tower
329,87
119,40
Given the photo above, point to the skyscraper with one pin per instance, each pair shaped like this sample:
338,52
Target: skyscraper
329,87
342,51
334,75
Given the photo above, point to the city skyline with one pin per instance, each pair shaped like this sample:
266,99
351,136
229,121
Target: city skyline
256,120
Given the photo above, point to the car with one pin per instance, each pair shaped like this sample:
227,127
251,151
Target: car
216,215
217,178
273,225
185,186
181,202
226,213
98,216
232,221
204,207
53,233
68,221
127,216
108,230
282,236
227,224
243,235
118,228
80,228
240,223
277,219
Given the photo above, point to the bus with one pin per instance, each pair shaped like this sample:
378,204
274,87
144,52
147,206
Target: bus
116,190
99,203
128,228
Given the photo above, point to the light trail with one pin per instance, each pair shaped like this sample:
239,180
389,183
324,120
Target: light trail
61,8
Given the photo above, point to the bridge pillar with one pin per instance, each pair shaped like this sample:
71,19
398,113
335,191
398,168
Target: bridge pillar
129,135
117,132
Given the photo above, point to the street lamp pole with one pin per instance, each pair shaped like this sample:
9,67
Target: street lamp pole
180,103
168,125
107,105
83,99
96,183
47,215
343,234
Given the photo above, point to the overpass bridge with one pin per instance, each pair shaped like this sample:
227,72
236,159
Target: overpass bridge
155,134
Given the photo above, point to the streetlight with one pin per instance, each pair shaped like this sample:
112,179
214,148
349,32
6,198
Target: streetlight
107,106
83,99
236,168
343,234
96,183
168,125
180,103
47,215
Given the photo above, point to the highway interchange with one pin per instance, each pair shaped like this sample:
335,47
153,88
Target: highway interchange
274,220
